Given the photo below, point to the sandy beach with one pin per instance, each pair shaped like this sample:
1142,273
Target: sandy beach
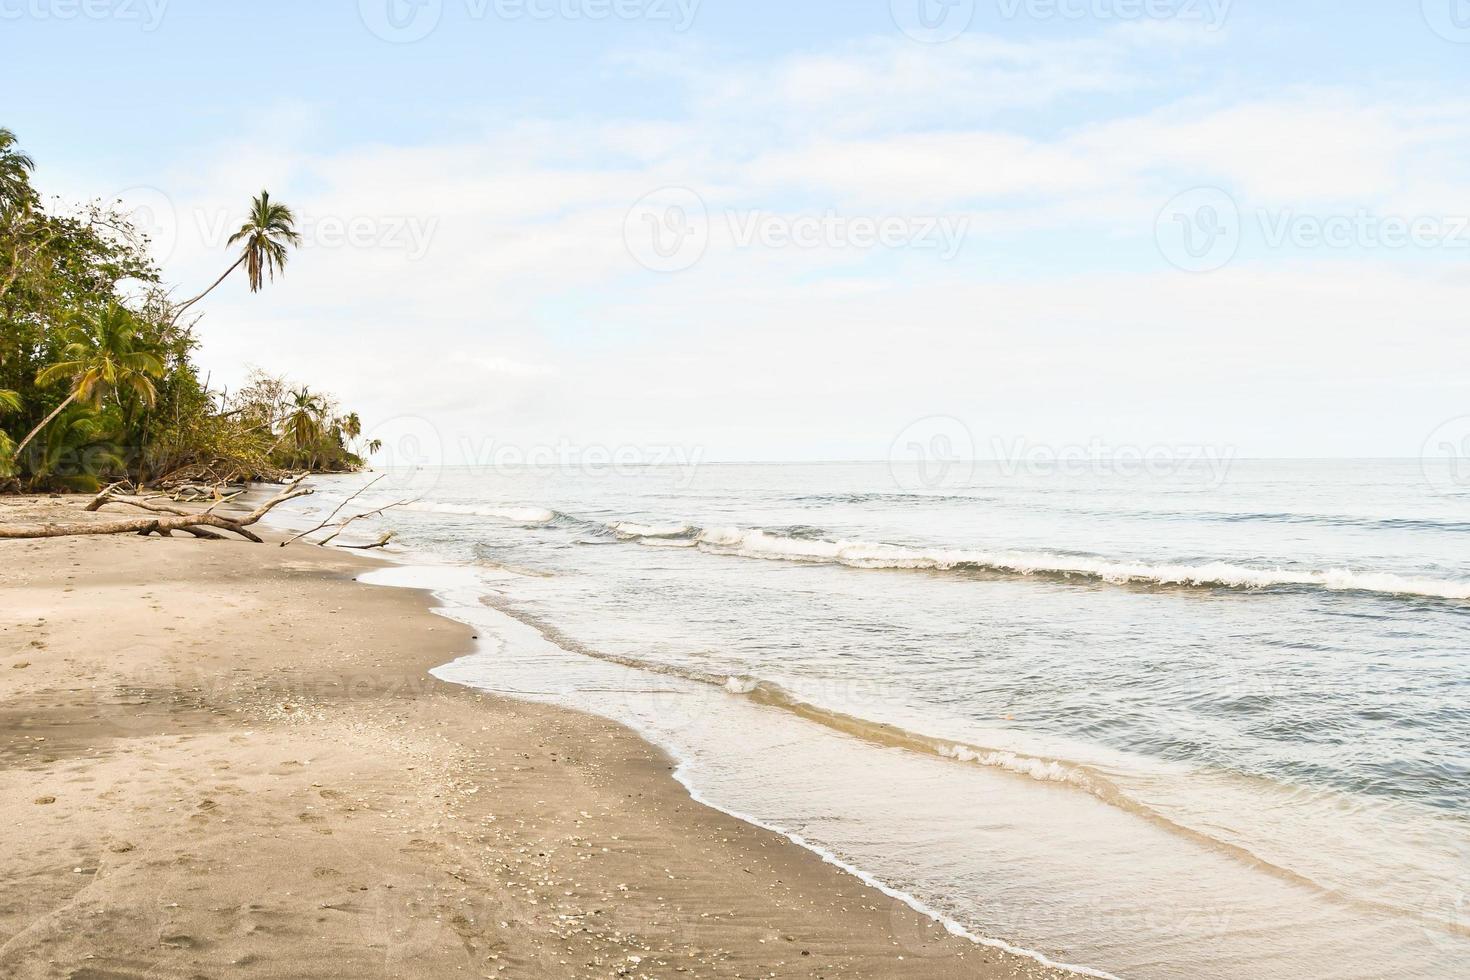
224,759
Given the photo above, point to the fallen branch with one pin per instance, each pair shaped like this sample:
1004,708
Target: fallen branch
333,514
357,517
176,520
105,496
143,503
196,492
382,542
227,498
153,508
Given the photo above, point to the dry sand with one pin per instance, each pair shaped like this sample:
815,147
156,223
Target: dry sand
220,759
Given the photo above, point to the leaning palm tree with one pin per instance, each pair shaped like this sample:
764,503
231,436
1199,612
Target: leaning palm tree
267,236
15,171
102,357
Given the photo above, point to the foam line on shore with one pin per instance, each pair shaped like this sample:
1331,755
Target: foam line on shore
447,603
950,925
1077,776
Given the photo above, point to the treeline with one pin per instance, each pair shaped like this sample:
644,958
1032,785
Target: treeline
97,377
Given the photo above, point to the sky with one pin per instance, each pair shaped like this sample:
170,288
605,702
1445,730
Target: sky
762,230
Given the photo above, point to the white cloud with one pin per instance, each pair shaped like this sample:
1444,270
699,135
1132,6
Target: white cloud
526,315
1306,148
931,170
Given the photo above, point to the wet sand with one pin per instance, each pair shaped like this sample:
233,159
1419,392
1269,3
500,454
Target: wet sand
224,759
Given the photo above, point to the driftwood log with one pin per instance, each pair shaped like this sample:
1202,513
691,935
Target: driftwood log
382,542
165,521
106,495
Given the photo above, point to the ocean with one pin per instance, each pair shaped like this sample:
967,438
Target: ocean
1190,719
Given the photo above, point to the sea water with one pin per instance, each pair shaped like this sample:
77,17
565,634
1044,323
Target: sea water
1188,721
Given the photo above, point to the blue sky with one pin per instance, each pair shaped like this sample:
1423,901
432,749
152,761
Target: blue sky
207,65
1171,222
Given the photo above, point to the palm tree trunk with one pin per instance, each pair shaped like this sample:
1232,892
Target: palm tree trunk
211,289
44,422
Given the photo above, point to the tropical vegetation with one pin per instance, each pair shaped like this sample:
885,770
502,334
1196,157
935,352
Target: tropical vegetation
98,379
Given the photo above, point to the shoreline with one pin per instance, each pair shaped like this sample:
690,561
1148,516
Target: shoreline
260,711
681,774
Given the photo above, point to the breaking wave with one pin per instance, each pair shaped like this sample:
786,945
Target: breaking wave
771,546
815,546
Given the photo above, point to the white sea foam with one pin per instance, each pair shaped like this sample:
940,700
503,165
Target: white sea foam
865,554
725,536
950,925
772,546
629,529
1044,770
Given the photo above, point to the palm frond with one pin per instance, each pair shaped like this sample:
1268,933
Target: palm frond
267,236
8,139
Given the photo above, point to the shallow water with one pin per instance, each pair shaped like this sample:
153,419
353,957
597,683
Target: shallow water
1186,724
